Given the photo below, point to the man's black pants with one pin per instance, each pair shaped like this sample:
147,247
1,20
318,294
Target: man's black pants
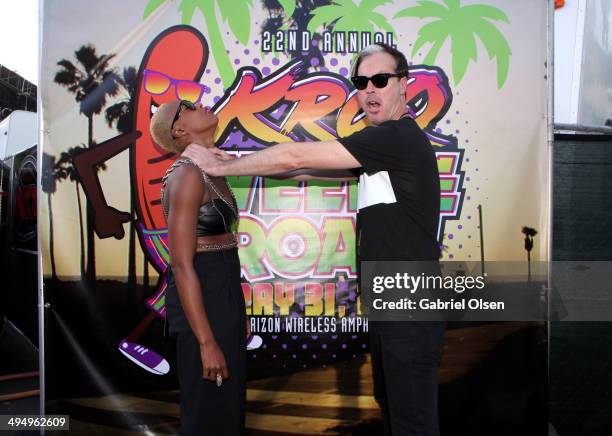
405,357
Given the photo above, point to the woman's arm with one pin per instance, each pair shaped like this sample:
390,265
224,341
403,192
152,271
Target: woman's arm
185,190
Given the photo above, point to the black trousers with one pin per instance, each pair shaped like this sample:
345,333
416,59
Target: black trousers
405,357
205,408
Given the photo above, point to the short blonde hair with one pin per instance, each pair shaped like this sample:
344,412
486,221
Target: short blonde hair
160,127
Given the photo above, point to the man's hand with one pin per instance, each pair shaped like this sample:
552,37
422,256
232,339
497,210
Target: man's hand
222,154
205,158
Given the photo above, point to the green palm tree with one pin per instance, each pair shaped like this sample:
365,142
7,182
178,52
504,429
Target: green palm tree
346,16
288,6
236,13
462,25
121,115
91,80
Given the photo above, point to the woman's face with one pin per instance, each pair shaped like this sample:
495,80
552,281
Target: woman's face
198,121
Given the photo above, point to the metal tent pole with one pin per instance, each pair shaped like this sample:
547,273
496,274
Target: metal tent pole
1,187
39,195
551,138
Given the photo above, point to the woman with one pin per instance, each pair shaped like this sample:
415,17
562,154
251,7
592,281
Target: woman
204,303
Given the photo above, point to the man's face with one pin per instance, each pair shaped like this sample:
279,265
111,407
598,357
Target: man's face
381,104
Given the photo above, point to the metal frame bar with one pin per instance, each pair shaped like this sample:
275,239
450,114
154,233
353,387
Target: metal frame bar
24,91
16,83
559,127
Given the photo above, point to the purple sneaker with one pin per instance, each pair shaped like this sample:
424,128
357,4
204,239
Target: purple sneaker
145,358
254,342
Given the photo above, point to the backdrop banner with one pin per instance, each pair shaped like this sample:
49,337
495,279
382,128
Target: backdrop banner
272,71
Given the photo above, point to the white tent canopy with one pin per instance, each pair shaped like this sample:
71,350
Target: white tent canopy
18,132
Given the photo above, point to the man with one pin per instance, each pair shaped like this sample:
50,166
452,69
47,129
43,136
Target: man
399,202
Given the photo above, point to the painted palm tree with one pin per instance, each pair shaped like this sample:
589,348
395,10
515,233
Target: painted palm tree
52,172
66,168
529,234
463,25
65,164
121,115
275,20
346,16
235,13
91,80
121,112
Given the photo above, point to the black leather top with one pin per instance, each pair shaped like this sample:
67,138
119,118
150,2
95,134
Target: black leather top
214,218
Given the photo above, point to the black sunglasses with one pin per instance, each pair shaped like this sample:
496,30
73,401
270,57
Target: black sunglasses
378,80
182,104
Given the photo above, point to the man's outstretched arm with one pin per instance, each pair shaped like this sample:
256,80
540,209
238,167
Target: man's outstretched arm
278,159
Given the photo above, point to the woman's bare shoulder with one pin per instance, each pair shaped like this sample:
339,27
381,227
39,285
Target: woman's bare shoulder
185,182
